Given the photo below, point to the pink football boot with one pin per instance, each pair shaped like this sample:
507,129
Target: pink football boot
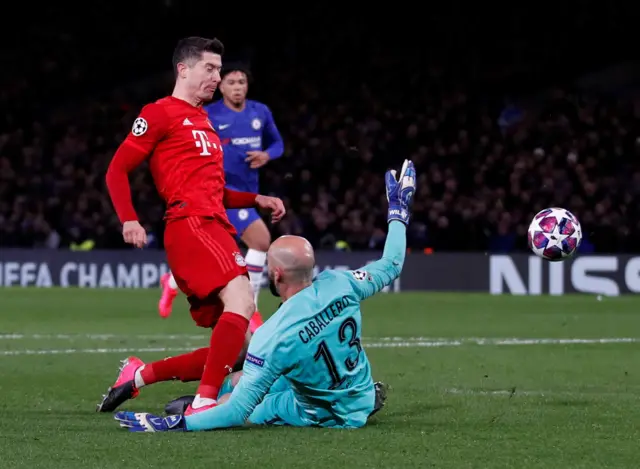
124,388
168,295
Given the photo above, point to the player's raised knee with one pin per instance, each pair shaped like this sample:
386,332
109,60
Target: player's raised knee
237,297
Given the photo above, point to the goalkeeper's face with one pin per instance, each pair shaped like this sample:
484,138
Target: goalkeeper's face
234,87
273,283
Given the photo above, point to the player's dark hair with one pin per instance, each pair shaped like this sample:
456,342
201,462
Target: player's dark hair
192,48
227,68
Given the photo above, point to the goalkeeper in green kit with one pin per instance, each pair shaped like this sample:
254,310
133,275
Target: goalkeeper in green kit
306,365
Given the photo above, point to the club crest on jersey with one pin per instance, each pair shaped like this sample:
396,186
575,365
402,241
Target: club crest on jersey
139,126
256,124
239,259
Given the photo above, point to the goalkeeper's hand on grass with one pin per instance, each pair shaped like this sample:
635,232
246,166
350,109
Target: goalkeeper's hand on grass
144,422
400,192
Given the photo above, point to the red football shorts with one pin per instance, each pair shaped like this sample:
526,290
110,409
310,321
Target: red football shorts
203,257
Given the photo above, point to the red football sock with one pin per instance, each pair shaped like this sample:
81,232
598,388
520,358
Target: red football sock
226,344
255,322
186,367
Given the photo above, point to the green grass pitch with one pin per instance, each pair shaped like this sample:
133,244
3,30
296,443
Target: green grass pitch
467,389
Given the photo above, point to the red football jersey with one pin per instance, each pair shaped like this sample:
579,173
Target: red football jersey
185,157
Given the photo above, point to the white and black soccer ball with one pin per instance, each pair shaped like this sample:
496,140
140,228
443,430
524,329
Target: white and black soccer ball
554,234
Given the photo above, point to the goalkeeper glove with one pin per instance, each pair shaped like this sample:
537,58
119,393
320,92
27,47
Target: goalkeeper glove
144,422
400,192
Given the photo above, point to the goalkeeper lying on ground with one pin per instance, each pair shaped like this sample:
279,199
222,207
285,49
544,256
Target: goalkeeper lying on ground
306,366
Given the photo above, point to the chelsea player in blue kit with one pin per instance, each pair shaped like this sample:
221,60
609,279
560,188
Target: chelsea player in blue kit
250,139
306,365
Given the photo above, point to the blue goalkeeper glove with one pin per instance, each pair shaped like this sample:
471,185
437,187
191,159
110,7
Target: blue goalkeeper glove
400,192
143,422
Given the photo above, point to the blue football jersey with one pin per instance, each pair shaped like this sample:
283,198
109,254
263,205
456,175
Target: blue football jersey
251,129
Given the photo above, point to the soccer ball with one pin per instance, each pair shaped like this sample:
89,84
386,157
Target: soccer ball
554,234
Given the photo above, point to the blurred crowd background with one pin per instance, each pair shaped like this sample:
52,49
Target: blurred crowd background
504,112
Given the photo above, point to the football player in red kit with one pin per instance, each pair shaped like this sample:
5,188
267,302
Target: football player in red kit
184,154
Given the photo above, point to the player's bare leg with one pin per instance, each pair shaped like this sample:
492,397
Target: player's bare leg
134,374
169,292
226,343
257,238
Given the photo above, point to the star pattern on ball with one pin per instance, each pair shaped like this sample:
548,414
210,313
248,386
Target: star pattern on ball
555,238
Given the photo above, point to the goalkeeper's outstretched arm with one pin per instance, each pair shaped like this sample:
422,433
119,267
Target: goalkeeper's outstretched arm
372,278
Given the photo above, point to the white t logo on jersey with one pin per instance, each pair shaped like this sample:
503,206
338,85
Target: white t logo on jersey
202,141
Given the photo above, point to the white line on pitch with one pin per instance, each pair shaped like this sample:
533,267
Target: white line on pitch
378,344
19,336
425,342
70,351
538,393
496,392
